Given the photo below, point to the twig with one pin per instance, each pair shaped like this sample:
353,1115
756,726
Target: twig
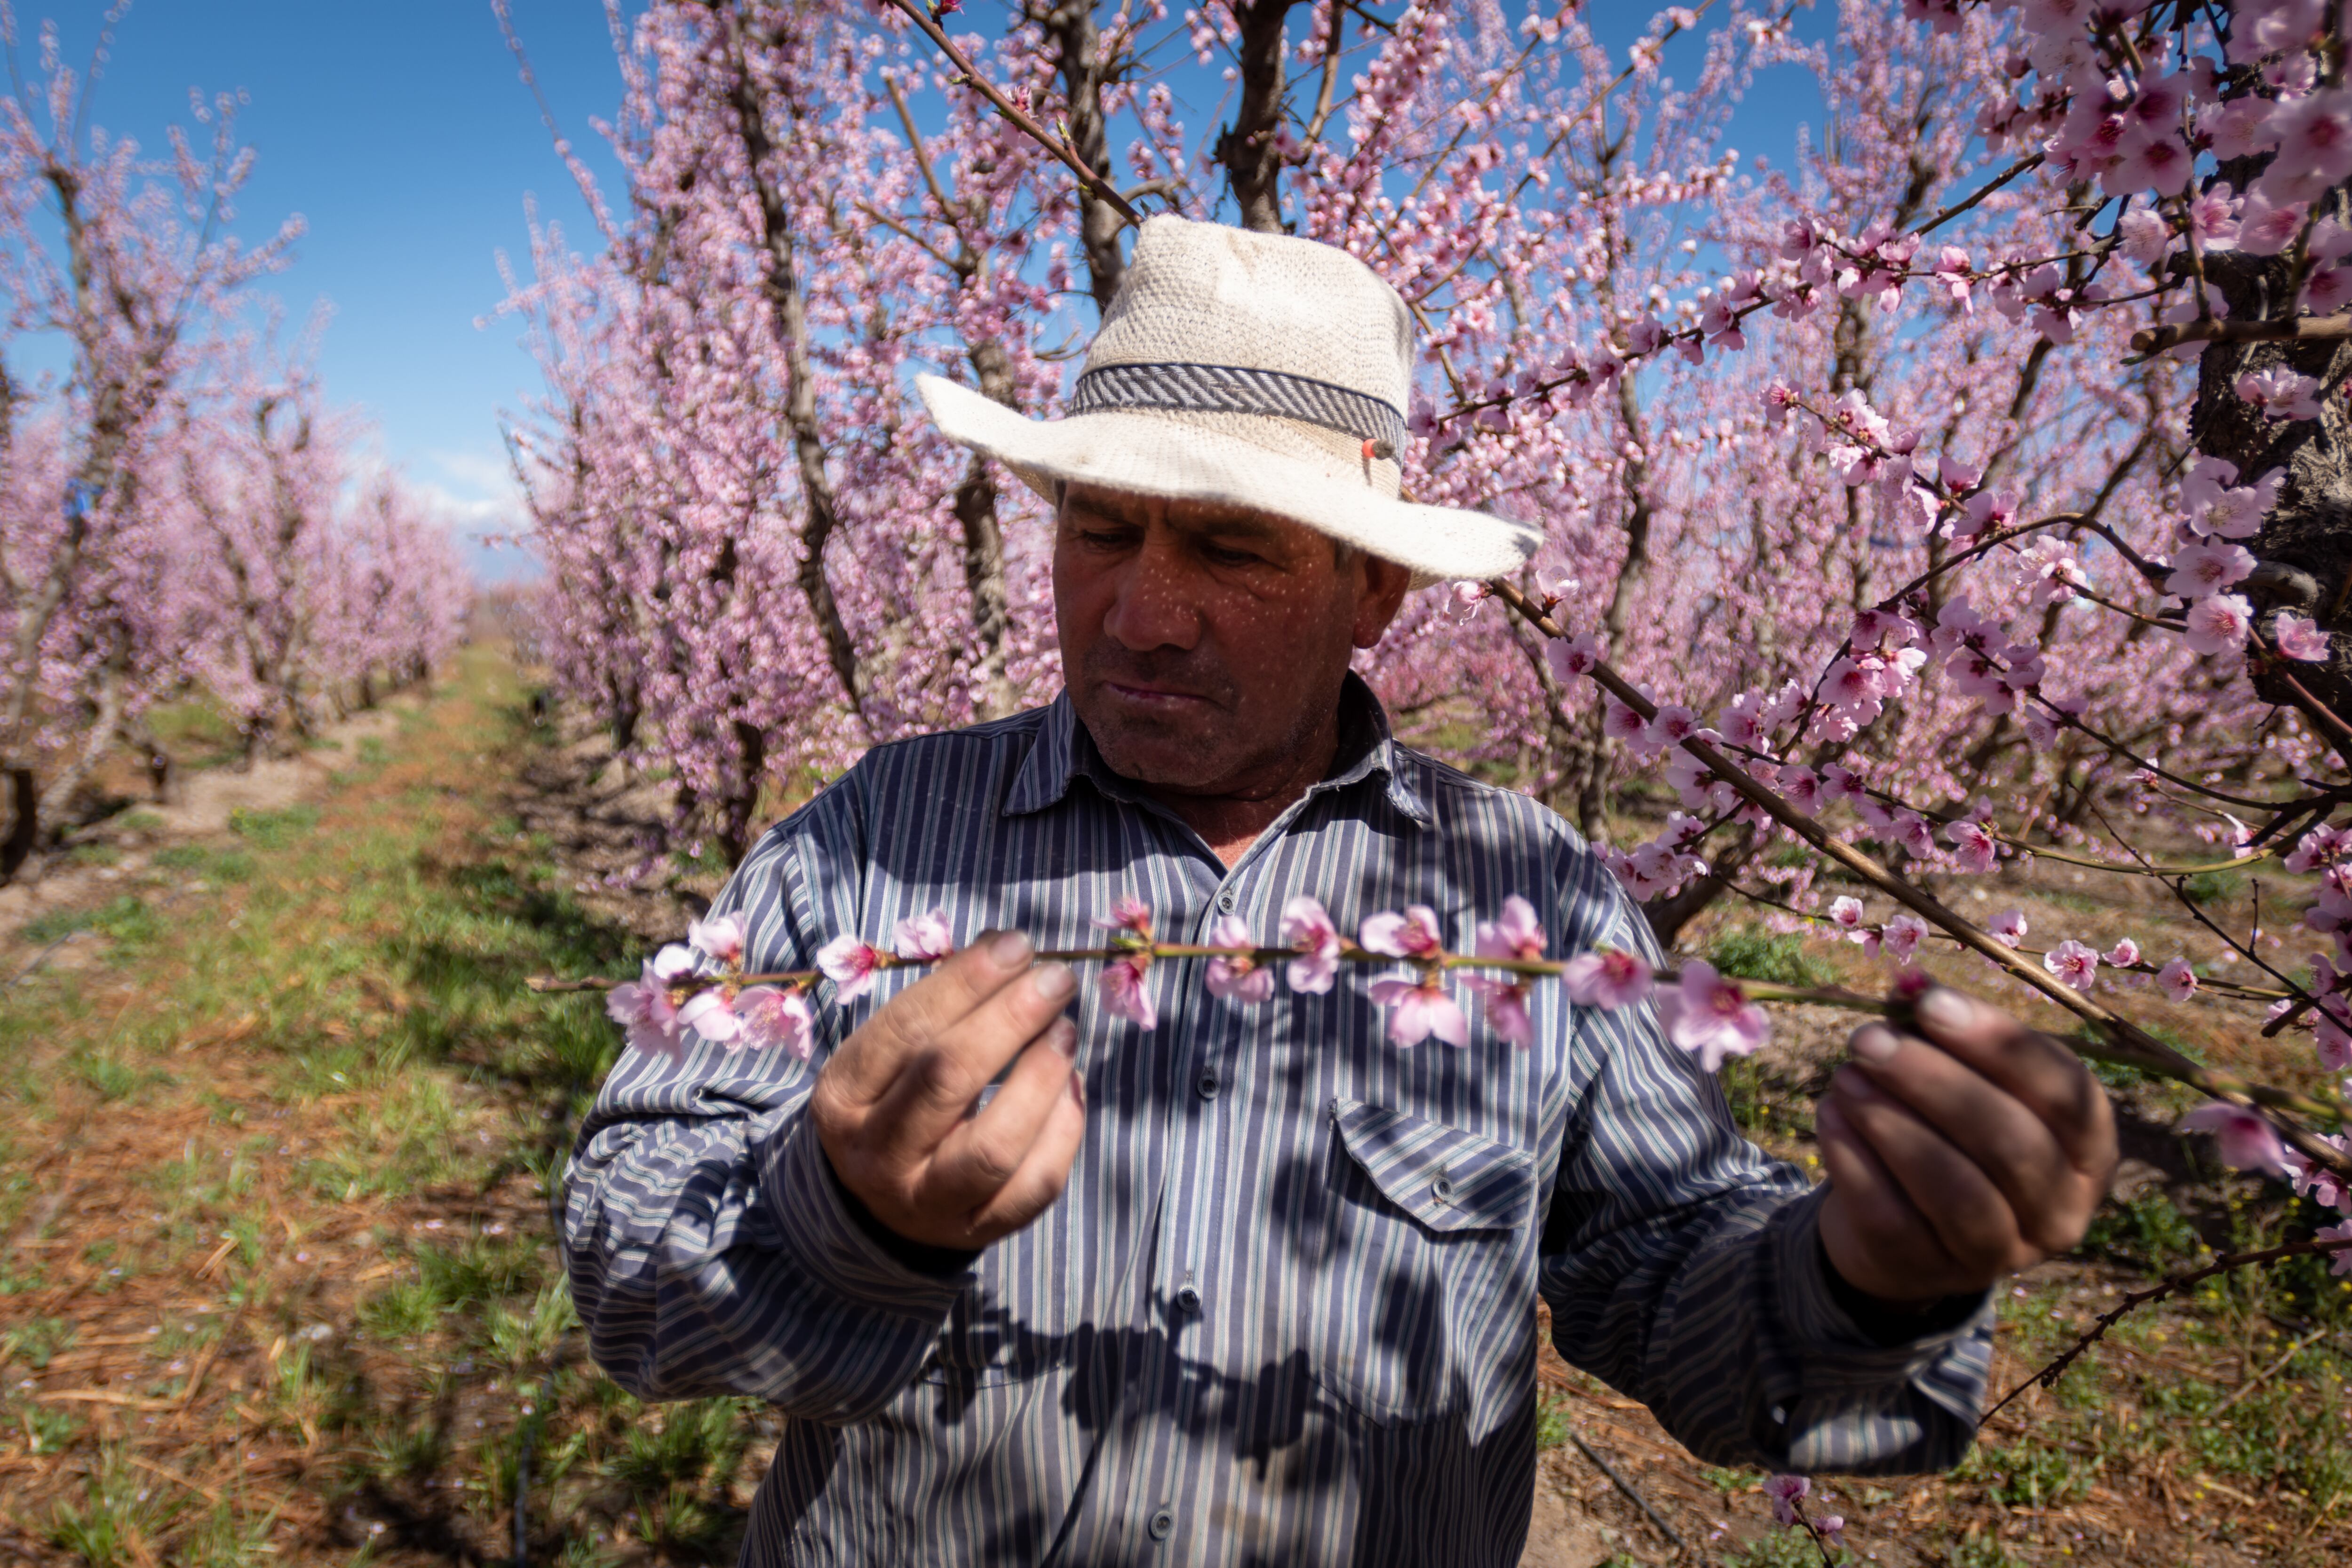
2307,329
2128,1041
2172,1286
1060,148
1622,1485
1957,208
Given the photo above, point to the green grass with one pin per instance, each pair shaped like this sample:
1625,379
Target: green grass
127,920
273,829
1783,958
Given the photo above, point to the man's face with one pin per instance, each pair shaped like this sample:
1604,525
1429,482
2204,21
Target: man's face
1203,646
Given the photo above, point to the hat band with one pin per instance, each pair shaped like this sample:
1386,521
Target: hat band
1237,389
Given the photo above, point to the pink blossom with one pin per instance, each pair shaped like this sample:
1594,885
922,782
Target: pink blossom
1607,977
1899,938
1238,976
1783,1492
2320,846
1977,848
645,1007
1620,723
2178,979
2300,638
1831,1527
774,1015
2076,963
1469,598
2203,569
2340,1261
1672,725
719,936
1421,1010
2247,1142
2008,928
2149,159
2219,622
1131,915
1306,926
1801,788
2267,226
924,939
1413,934
2124,954
1911,830
708,1014
2314,150
1126,990
851,965
2317,1182
2280,394
2269,27
1506,1008
1573,657
1520,933
1710,1016
1845,913
2332,1043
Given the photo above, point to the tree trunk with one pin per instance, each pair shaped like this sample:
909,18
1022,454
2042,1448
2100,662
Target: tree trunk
24,823
1076,51
2304,547
1250,148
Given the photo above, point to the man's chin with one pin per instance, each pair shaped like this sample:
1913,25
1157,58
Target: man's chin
1165,756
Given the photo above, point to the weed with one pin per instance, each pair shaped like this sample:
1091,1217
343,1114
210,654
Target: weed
123,1508
140,821
94,855
527,1338
1753,953
273,829
220,865
410,1451
1551,1422
35,1342
2037,1477
2212,886
677,1455
106,1075
46,1428
1784,1548
2148,1229
409,1310
127,920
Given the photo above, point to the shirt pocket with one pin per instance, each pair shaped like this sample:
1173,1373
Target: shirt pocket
1428,1281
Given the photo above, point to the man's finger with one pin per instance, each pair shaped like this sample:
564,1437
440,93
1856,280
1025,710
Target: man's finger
980,1154
1892,1250
871,1059
2007,1142
1971,1217
1045,1171
936,1086
2048,1077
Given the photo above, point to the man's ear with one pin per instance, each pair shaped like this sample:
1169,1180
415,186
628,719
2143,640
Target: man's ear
1380,588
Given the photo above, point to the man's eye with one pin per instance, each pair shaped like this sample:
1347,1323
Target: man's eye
1226,555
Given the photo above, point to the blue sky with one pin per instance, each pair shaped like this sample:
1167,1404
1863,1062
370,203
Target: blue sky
400,131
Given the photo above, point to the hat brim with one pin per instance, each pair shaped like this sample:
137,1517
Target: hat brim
1151,454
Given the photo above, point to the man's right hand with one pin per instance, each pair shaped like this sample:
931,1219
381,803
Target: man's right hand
893,1107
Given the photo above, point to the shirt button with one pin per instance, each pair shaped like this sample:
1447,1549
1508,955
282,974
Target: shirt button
1442,1189
1187,1299
1163,1524
1225,903
1208,1085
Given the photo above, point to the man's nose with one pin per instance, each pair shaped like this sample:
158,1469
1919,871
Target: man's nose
1155,606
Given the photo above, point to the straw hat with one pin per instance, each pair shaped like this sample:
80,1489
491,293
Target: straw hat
1257,370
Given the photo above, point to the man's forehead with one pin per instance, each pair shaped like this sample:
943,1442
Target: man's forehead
1186,515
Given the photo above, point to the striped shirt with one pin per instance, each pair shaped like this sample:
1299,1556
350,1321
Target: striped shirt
1285,1311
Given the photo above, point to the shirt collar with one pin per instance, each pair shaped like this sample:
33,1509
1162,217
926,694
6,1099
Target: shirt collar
1064,750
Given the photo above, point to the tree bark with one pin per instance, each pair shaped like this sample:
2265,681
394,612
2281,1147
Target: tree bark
1077,46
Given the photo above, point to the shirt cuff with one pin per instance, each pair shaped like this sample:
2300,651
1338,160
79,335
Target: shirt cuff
813,1211
1875,1345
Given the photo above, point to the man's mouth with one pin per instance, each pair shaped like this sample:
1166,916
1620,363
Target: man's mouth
1164,698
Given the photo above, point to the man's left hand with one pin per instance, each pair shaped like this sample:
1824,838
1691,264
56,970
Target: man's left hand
1959,1157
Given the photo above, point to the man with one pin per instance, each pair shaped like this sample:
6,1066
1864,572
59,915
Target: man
1032,1282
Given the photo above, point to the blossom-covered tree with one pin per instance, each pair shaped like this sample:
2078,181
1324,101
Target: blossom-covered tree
1890,534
